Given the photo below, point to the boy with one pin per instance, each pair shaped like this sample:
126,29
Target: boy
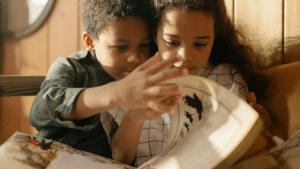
109,74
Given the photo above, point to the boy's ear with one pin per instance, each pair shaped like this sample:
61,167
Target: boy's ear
88,42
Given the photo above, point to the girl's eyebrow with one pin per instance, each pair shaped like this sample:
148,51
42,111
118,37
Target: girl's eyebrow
200,37
203,37
175,36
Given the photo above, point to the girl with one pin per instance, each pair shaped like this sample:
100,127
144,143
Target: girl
201,34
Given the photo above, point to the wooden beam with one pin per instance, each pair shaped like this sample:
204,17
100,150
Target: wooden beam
15,85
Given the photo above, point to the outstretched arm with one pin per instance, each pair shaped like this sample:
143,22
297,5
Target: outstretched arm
138,90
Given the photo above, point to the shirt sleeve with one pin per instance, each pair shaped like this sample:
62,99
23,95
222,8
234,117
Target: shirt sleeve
57,95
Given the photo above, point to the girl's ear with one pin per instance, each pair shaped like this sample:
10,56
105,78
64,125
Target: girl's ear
154,36
155,39
88,42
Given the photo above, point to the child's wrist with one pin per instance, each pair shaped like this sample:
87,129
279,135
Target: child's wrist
133,116
116,94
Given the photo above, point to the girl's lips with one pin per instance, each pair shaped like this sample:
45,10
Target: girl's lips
184,67
191,70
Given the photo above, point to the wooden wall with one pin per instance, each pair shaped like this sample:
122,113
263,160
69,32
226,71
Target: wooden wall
271,23
60,36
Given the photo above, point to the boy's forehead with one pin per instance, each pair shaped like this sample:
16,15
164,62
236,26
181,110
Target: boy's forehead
121,30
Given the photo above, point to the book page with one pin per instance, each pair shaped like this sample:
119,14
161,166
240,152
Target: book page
209,124
22,151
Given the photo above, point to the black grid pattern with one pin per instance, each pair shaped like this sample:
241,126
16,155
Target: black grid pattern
226,75
153,137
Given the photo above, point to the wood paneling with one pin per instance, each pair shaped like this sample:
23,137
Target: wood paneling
292,31
64,29
230,8
33,55
262,21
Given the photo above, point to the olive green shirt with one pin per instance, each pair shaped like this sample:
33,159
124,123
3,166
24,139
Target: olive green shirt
66,78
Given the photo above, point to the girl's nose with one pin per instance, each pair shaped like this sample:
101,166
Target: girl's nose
185,54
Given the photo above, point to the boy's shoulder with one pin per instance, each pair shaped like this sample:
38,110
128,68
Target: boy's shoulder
80,56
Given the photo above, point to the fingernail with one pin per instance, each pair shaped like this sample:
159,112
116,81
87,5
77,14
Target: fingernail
251,104
181,89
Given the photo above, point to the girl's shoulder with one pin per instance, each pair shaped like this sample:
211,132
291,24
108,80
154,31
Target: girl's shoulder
223,69
227,75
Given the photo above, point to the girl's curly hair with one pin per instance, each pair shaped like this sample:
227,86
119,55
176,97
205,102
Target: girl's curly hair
230,45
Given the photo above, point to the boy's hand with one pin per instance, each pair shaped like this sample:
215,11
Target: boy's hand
140,90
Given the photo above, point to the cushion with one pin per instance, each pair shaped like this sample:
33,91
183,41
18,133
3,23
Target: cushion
283,98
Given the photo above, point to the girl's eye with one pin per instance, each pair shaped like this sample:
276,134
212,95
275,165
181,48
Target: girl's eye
145,45
120,47
200,45
172,43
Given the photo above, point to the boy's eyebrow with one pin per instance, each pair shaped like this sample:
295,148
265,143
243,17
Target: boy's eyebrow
122,40
200,37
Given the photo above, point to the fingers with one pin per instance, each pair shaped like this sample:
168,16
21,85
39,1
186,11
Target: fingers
163,107
265,115
165,90
251,98
163,64
167,74
153,60
155,64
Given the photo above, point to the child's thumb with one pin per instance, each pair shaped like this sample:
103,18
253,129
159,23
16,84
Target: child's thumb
251,98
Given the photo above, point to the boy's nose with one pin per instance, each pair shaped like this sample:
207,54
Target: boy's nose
134,57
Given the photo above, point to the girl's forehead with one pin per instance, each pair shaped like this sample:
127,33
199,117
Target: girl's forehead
182,17
187,23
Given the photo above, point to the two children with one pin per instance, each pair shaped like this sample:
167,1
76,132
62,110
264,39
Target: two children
201,34
192,35
112,72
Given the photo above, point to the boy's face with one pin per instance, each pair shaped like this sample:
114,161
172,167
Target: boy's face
189,35
123,46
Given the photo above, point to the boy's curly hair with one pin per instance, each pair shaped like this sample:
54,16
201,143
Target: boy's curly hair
99,14
230,45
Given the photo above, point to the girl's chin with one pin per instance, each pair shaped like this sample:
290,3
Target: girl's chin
192,71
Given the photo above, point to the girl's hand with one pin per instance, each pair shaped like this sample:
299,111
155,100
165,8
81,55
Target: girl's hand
140,89
264,114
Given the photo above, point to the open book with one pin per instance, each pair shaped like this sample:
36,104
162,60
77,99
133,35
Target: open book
212,128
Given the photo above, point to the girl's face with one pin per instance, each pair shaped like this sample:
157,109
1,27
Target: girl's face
123,46
188,34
